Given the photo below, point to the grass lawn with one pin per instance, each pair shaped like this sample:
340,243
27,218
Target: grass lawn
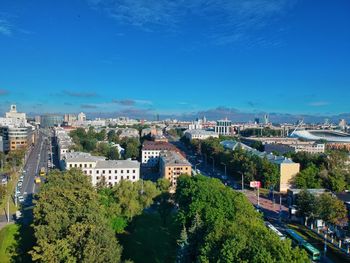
7,239
147,241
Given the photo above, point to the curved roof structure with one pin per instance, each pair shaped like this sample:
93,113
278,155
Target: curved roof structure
327,135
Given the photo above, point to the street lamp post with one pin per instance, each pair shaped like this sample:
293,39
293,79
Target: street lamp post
225,170
242,181
213,162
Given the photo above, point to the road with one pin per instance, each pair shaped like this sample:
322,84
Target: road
38,158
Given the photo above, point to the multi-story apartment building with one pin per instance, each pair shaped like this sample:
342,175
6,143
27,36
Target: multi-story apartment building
150,152
99,169
172,165
13,114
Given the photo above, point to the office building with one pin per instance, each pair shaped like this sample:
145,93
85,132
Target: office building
16,137
51,120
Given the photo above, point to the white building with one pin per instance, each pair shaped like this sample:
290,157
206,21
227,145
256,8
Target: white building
81,116
200,134
98,168
223,127
151,150
14,114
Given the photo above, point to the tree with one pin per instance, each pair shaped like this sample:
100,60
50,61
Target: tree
308,178
113,154
331,209
224,226
307,205
131,146
69,224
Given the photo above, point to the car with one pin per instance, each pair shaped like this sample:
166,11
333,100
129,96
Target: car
4,181
21,178
20,199
19,183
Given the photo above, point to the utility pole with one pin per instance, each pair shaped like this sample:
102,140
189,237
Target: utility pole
258,197
8,210
242,182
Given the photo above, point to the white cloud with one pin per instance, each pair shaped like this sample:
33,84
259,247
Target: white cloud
5,28
318,103
229,20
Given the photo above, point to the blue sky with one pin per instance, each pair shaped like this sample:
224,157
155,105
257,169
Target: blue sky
165,56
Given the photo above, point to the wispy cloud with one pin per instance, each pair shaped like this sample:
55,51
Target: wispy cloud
80,94
318,103
6,28
229,20
88,106
3,92
125,102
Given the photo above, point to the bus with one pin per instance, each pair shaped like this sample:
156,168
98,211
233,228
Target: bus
275,230
313,252
42,171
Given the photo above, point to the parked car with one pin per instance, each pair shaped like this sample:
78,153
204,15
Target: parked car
19,184
21,178
4,181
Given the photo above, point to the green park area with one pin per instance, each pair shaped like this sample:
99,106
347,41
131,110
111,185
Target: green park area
148,240
7,241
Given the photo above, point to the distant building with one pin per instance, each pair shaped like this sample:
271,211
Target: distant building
342,124
50,120
172,165
266,119
152,131
81,116
16,137
99,169
223,127
14,114
151,150
69,118
200,134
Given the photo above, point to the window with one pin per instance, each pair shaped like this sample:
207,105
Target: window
90,171
109,177
103,171
85,165
127,171
71,165
133,171
115,177
110,171
115,171
97,177
97,171
133,177
128,177
122,171
90,165
75,165
80,165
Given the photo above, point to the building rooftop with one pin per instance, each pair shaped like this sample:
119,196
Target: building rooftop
201,132
82,157
174,159
158,146
112,164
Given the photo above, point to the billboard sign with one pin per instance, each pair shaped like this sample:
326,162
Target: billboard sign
255,184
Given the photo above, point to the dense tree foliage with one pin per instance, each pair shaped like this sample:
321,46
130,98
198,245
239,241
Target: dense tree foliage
220,225
238,162
326,207
132,147
261,132
328,170
69,222
126,200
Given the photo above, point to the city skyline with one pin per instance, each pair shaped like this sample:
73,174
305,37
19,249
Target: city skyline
246,57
